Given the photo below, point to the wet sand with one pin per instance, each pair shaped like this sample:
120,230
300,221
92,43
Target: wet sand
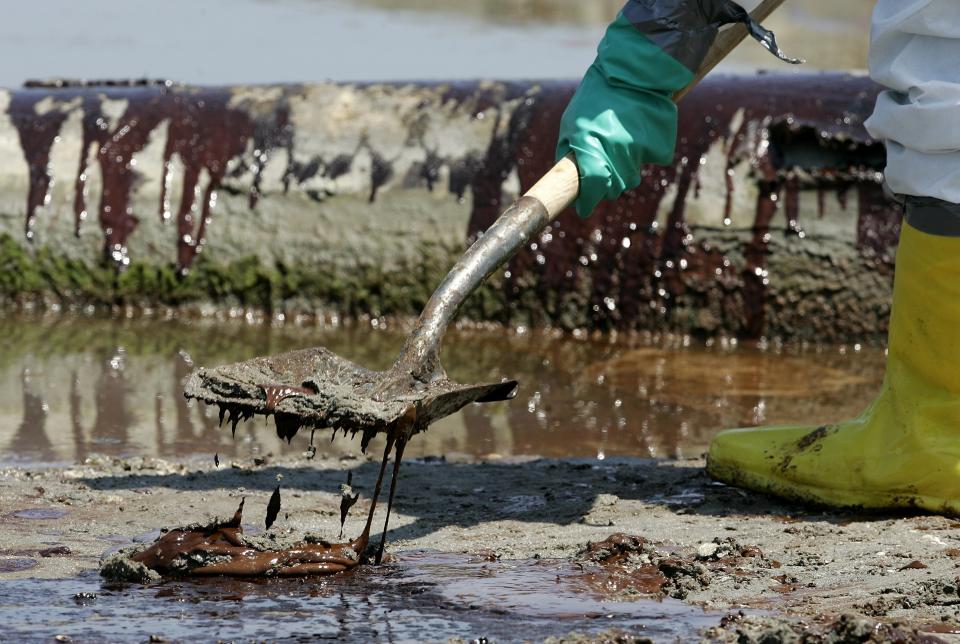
745,551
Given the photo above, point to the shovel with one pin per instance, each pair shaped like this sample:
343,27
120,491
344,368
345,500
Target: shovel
315,388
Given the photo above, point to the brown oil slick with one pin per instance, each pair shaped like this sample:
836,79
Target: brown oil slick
916,564
277,393
615,574
229,554
220,549
623,564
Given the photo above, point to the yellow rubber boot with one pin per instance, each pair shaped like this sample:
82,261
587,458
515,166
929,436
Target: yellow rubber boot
904,450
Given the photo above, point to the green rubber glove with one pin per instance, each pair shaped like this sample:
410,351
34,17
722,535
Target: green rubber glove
623,115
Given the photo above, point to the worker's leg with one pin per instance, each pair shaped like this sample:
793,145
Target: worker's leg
904,450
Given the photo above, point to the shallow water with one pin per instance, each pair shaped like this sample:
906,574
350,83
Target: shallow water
260,41
74,386
418,597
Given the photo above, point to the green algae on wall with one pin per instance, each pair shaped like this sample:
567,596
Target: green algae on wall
42,275
799,310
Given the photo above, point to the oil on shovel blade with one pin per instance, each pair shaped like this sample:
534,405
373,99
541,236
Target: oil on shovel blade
320,389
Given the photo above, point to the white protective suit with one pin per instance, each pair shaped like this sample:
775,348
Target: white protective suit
915,51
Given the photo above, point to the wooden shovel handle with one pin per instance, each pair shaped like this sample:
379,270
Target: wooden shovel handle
558,188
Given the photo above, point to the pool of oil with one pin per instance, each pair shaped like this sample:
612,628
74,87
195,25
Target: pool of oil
77,386
415,598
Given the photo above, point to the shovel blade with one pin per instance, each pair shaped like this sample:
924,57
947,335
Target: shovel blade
318,389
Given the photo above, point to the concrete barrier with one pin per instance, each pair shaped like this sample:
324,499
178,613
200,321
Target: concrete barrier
357,198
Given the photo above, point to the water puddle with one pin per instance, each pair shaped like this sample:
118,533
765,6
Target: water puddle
16,564
72,387
39,514
414,596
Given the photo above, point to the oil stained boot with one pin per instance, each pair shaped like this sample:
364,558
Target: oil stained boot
904,450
